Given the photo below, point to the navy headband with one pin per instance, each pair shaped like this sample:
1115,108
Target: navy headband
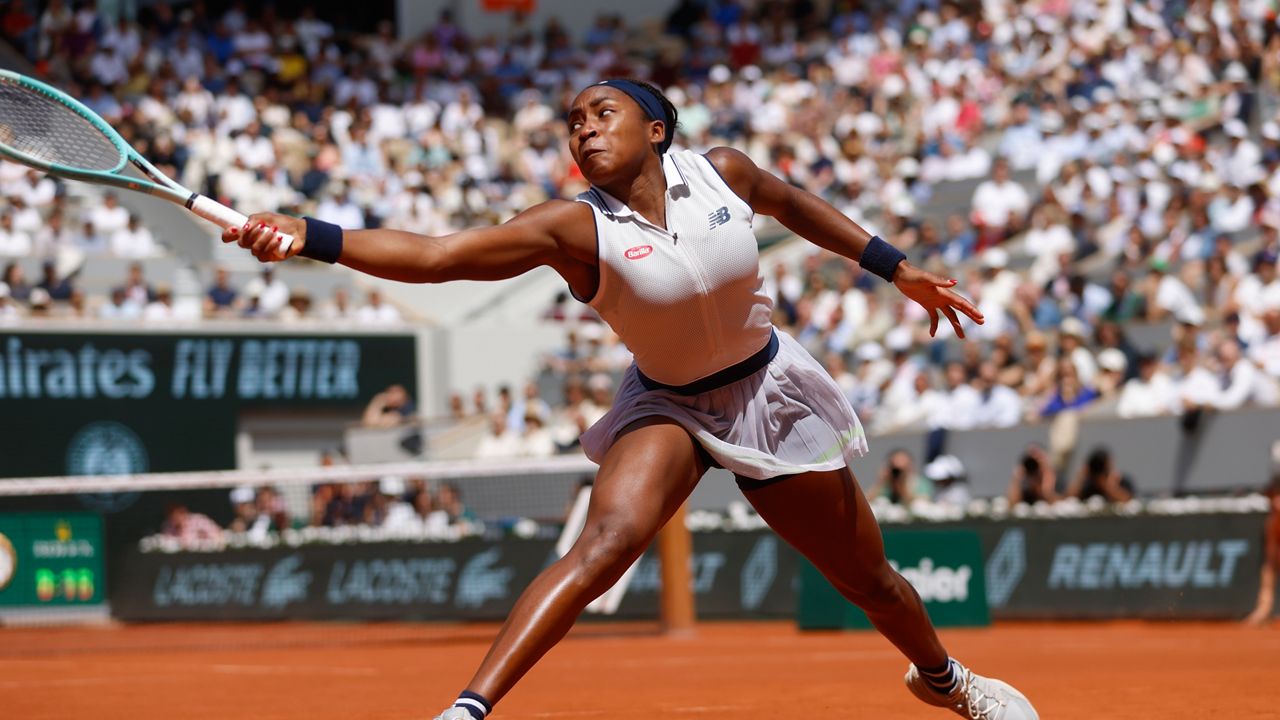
648,101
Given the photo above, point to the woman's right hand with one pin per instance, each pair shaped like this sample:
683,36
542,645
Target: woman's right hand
261,236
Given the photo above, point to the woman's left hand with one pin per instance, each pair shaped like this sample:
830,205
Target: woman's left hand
935,295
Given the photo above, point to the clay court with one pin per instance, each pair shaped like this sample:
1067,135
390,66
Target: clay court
746,671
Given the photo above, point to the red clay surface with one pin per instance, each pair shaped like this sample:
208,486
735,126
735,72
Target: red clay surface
744,671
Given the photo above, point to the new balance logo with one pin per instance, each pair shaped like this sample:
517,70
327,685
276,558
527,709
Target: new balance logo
718,217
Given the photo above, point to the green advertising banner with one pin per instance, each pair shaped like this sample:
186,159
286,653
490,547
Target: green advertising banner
51,560
944,566
88,404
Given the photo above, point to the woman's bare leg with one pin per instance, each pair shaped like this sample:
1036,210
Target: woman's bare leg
646,476
825,516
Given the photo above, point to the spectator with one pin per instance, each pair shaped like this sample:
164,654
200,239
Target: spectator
136,290
220,299
1069,392
59,289
389,408
1099,478
109,217
9,312
898,481
449,501
13,242
1241,381
950,486
1151,393
377,312
999,206
133,240
1034,479
500,441
270,292
998,405
339,307
160,309
536,440
190,528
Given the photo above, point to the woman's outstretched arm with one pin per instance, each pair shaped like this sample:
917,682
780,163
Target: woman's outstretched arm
814,219
557,233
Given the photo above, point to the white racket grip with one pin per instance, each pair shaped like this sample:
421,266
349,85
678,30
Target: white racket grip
224,217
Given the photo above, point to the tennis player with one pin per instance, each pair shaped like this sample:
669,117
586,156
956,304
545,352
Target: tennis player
662,247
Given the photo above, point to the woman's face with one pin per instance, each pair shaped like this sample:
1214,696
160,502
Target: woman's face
609,134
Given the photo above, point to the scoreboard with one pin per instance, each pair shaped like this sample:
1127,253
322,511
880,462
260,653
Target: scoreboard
51,560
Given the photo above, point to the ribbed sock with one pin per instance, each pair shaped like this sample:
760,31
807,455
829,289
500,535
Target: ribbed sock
943,679
474,703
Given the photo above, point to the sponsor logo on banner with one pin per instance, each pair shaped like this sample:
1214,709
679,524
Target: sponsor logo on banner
939,584
286,583
481,582
391,581
759,571
1157,564
639,252
1005,566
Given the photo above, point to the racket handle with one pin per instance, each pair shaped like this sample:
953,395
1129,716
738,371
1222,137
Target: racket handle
224,217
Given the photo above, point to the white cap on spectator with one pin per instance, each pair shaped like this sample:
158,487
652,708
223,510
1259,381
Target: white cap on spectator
898,339
1080,103
869,351
599,381
391,485
995,258
1271,131
1148,111
1073,327
38,296
1104,94
719,74
1235,128
1050,122
242,494
893,86
1236,73
752,73
1113,360
938,469
1093,121
908,167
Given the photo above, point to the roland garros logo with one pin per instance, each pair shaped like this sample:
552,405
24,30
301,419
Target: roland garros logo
638,252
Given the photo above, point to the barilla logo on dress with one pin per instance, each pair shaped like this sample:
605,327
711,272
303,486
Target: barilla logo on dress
638,252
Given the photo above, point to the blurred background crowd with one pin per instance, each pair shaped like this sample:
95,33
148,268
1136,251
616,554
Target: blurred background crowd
1102,177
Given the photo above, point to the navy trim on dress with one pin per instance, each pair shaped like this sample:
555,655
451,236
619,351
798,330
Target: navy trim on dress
719,379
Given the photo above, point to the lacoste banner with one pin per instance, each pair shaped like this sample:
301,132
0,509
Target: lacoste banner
944,566
1187,566
734,575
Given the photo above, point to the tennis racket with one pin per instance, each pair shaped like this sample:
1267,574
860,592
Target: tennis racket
47,129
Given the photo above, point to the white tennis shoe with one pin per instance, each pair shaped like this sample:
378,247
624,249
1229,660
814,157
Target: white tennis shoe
456,713
975,697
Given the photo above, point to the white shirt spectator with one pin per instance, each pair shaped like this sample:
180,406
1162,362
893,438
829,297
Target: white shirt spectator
959,412
341,211
1143,398
994,202
234,112
14,243
133,242
255,150
108,68
196,101
1243,383
1178,300
380,314
108,219
1198,387
39,192
1001,407
271,292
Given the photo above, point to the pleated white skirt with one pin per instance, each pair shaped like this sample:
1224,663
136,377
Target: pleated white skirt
789,417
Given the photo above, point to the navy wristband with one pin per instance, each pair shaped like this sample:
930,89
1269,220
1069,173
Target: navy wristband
878,257
324,241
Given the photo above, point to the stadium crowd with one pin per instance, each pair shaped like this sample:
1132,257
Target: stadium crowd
1119,163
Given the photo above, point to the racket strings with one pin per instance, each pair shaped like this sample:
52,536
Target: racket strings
41,127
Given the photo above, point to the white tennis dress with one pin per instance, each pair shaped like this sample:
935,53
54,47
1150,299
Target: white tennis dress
688,303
